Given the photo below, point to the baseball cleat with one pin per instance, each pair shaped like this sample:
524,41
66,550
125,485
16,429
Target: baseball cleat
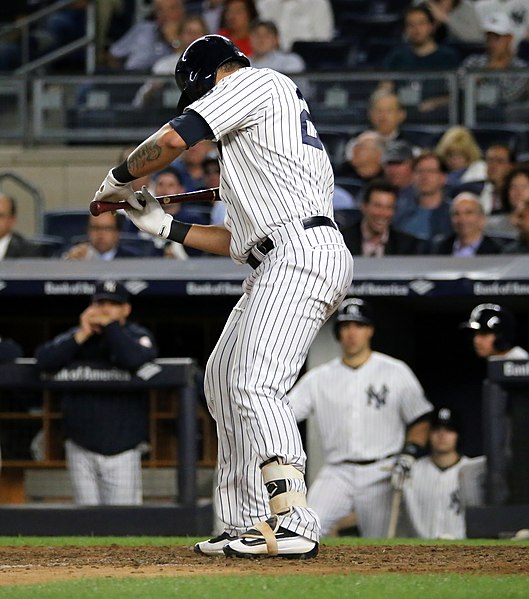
213,546
268,539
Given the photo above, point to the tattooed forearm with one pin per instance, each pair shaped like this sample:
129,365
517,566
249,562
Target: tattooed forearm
148,151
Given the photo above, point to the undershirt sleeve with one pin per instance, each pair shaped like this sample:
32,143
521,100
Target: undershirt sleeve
191,127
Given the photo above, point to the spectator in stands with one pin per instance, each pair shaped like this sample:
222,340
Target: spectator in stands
500,159
520,219
264,37
235,22
363,156
212,11
397,163
147,41
443,483
517,12
456,21
191,28
299,20
374,234
428,214
105,431
103,241
497,92
386,114
190,165
12,243
422,53
468,223
515,190
460,150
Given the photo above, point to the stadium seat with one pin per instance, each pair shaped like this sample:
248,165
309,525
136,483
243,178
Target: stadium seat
523,50
65,223
424,136
142,247
352,185
50,246
465,49
368,25
515,136
323,56
334,143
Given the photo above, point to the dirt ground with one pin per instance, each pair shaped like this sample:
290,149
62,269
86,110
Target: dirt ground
32,565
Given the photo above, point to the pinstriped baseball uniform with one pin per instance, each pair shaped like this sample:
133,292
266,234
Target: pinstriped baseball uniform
274,174
362,414
432,500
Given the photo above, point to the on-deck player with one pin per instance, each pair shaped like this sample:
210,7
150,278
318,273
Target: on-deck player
443,483
373,420
277,183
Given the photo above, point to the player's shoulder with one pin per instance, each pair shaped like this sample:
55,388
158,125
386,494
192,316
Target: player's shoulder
323,370
388,361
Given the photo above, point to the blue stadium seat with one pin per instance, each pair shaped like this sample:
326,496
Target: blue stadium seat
65,223
50,246
321,56
515,136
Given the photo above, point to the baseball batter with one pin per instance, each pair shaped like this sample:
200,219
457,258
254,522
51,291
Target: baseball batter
277,183
372,416
441,483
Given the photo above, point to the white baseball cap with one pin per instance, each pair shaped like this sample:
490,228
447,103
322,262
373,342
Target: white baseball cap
498,23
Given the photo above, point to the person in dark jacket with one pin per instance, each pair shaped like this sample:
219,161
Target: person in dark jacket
468,222
9,350
374,235
13,244
520,219
104,430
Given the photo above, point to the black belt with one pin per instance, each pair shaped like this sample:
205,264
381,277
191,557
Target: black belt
267,244
367,462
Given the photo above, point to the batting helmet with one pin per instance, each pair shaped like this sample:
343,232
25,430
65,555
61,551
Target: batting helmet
196,70
353,309
493,318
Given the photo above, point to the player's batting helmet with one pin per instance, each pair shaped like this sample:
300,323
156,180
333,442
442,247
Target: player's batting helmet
196,69
353,309
493,318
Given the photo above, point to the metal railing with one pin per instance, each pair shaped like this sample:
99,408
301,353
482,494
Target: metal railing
23,27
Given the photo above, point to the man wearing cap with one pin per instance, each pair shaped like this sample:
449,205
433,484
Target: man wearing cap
104,430
442,484
500,54
397,165
373,420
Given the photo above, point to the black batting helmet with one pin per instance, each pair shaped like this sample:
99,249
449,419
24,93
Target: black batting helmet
353,309
196,69
493,318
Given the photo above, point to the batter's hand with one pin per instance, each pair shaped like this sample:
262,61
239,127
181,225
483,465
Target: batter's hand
152,218
401,470
111,190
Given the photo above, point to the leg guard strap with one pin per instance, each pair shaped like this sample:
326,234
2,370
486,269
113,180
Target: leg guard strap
275,477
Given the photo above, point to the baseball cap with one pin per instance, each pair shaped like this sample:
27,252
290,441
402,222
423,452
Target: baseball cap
397,151
446,418
355,309
498,23
110,290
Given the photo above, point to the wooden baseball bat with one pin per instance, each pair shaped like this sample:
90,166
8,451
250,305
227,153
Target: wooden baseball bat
394,515
97,207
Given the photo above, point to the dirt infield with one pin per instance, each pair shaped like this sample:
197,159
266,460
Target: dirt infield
32,565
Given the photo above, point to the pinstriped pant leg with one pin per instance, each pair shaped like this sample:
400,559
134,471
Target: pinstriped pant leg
82,469
240,497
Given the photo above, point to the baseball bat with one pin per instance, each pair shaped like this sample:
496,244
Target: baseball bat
394,515
97,207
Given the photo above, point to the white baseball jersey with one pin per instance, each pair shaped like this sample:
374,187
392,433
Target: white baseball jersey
362,412
273,169
433,502
274,173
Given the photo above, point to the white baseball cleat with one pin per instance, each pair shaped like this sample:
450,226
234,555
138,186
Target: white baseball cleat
269,539
214,546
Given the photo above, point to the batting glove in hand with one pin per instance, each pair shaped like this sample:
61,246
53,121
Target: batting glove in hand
111,190
401,470
151,218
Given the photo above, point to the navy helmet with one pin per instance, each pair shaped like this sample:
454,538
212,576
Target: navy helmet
493,318
196,70
353,309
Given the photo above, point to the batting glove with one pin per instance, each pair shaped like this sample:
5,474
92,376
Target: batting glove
151,218
403,465
111,190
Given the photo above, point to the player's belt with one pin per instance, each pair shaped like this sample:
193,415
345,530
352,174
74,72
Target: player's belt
367,462
267,244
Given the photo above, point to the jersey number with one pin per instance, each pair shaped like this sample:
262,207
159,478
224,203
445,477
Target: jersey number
309,135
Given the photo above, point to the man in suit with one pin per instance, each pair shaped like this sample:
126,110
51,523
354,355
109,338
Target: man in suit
13,244
373,234
468,223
